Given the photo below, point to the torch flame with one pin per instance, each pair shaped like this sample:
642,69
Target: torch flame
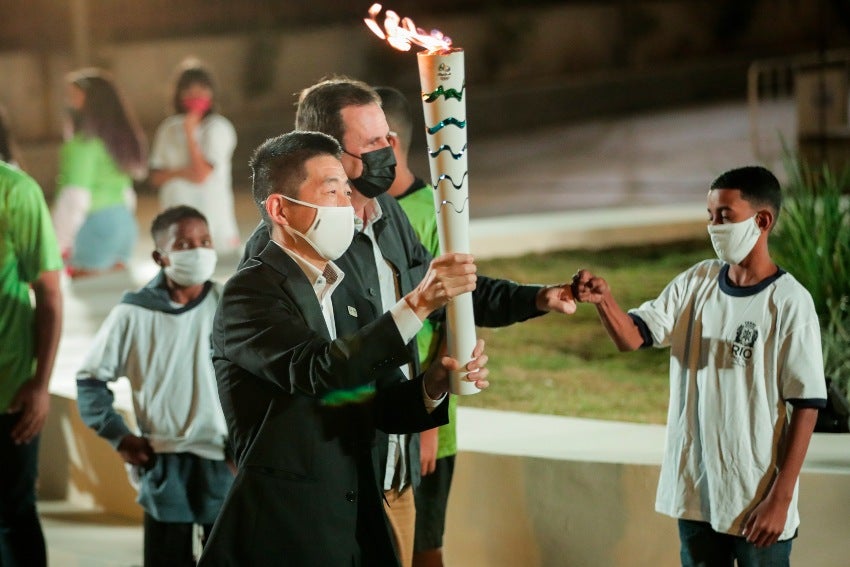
402,33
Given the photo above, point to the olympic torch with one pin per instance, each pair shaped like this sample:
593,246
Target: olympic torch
442,78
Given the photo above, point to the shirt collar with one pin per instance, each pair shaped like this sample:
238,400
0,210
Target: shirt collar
324,283
373,214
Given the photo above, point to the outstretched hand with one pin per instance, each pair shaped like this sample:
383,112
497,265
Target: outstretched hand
557,298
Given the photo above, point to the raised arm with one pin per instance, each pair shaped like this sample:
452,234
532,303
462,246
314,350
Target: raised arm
622,329
277,335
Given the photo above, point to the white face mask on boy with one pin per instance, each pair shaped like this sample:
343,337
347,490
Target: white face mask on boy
191,267
331,232
733,242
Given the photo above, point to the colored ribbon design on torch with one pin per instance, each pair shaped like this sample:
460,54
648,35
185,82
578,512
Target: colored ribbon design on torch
445,93
448,148
450,121
445,176
460,210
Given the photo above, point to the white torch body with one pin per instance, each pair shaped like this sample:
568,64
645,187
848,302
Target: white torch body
443,83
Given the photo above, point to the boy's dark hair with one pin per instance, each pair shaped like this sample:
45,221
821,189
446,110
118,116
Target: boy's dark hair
757,185
278,164
319,106
173,215
192,72
398,113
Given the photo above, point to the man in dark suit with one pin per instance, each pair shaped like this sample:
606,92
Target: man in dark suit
388,260
297,357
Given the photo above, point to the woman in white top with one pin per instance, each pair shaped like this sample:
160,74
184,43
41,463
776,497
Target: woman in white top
191,155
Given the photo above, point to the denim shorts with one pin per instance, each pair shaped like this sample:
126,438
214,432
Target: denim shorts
106,238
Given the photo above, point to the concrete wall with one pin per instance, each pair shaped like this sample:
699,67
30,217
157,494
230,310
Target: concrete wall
77,466
508,510
548,491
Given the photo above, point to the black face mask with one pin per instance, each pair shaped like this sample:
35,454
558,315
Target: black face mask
378,172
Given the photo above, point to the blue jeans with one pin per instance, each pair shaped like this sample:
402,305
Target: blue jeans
21,538
704,547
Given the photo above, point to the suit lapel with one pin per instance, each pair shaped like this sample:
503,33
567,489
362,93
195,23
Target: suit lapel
361,278
295,284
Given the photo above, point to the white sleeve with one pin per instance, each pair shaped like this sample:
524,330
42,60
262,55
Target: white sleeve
431,405
406,321
159,148
218,141
800,364
660,314
69,213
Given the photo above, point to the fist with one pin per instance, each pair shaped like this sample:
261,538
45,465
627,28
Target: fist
587,288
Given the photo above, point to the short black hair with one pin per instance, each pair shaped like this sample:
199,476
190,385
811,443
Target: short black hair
164,220
278,164
757,185
399,115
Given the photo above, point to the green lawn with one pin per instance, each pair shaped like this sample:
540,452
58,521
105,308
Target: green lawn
567,365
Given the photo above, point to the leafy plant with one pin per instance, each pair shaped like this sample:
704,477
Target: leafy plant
812,242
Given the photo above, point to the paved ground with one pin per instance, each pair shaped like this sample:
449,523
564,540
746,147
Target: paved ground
565,185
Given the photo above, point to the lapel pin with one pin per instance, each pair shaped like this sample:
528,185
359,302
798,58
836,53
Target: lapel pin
352,311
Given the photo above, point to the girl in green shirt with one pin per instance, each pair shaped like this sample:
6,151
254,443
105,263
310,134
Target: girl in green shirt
94,210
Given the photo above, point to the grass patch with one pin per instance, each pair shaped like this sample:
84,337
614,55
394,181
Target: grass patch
567,365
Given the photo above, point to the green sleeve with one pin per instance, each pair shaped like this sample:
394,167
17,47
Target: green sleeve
419,209
32,232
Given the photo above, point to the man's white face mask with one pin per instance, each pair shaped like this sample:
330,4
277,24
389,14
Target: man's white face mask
191,267
732,242
331,232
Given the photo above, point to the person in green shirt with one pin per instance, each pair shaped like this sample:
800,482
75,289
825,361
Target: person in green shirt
7,145
94,212
29,260
438,446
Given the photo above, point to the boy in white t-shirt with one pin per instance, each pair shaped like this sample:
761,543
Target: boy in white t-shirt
159,338
745,345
